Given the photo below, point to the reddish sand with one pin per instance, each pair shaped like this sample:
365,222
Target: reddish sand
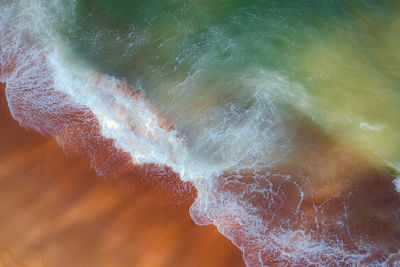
55,211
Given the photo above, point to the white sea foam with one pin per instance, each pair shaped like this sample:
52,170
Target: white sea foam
396,183
46,84
367,126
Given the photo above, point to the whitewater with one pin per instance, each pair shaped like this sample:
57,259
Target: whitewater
234,138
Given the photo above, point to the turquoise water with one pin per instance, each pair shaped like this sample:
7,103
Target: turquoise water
193,55
283,115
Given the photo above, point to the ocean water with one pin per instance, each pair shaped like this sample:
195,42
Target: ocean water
282,114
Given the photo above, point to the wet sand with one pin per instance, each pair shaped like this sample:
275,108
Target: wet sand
345,196
55,211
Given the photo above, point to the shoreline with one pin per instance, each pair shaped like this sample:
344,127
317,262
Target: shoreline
55,211
52,203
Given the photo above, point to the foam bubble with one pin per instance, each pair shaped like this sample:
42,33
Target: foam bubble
396,183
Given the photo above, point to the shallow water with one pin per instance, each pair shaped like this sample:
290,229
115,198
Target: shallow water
338,66
282,115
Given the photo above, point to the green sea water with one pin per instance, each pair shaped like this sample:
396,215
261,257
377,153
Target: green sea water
336,62
271,103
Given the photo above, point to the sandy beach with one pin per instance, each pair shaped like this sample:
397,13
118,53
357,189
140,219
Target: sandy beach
55,211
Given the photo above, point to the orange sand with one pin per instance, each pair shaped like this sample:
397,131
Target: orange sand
55,211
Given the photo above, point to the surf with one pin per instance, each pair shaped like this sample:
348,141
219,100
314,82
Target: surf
267,177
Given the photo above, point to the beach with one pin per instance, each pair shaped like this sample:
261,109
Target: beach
199,133
55,211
